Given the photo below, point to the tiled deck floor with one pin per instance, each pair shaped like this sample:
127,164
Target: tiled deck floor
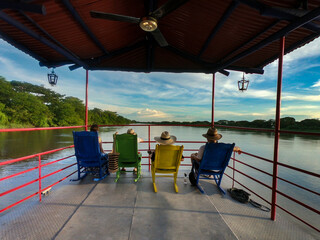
128,210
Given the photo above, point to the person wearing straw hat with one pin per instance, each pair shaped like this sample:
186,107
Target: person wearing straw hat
164,139
212,135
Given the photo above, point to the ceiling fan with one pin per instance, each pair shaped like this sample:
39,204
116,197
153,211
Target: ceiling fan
148,23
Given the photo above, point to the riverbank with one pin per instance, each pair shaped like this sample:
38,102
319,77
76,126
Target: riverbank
286,124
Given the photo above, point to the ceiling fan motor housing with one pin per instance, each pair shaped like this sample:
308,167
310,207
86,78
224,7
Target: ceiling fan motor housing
148,24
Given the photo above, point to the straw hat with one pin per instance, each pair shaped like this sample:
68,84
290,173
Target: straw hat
165,138
131,131
212,134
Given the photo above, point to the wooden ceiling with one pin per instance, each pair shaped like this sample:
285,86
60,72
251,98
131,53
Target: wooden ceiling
192,36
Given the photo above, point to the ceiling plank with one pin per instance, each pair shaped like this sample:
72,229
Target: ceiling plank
215,30
286,30
268,11
83,25
43,40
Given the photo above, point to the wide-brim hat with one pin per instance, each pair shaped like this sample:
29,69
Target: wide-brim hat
212,134
131,131
166,138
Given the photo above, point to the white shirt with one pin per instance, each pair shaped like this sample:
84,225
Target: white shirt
201,151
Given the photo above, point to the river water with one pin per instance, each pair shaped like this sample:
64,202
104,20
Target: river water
297,150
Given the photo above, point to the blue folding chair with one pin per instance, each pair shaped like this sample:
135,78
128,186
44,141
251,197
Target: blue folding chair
215,159
89,157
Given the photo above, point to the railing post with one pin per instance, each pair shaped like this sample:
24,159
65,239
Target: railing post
39,168
234,167
212,106
87,83
149,146
276,133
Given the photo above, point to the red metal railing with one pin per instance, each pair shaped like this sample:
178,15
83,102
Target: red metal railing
233,168
40,177
277,191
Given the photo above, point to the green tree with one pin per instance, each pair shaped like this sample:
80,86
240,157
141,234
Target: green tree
310,124
27,109
287,122
3,116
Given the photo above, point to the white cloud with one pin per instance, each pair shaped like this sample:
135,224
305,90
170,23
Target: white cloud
316,84
299,107
151,115
310,50
308,98
10,68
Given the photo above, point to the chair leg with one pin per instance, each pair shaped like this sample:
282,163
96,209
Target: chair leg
138,172
218,182
79,173
118,175
154,182
155,187
175,182
198,185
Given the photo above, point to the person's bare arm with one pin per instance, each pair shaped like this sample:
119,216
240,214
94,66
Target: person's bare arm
194,156
101,148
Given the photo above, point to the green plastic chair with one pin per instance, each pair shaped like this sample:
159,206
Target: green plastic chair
127,146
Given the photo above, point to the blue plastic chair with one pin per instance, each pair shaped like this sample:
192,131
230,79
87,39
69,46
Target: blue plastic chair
89,157
215,159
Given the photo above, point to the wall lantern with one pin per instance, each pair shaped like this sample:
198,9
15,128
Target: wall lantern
52,78
243,84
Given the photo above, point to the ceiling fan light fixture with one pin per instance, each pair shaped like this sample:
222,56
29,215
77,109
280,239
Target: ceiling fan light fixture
148,24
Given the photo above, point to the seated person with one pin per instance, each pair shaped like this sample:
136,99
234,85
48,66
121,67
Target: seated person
132,132
164,139
212,135
95,128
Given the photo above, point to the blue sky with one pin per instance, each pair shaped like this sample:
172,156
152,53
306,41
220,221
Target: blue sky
183,97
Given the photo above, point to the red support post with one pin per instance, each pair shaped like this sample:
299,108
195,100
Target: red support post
39,168
87,81
276,133
212,106
149,146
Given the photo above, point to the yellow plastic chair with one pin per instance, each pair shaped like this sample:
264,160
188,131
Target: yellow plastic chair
167,160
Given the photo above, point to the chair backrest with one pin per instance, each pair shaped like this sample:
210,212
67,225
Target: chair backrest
127,146
168,156
86,146
216,156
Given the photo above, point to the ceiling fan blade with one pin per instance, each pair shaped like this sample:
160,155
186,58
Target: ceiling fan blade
114,17
157,35
167,8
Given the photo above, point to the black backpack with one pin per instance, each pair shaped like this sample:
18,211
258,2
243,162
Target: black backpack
239,195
